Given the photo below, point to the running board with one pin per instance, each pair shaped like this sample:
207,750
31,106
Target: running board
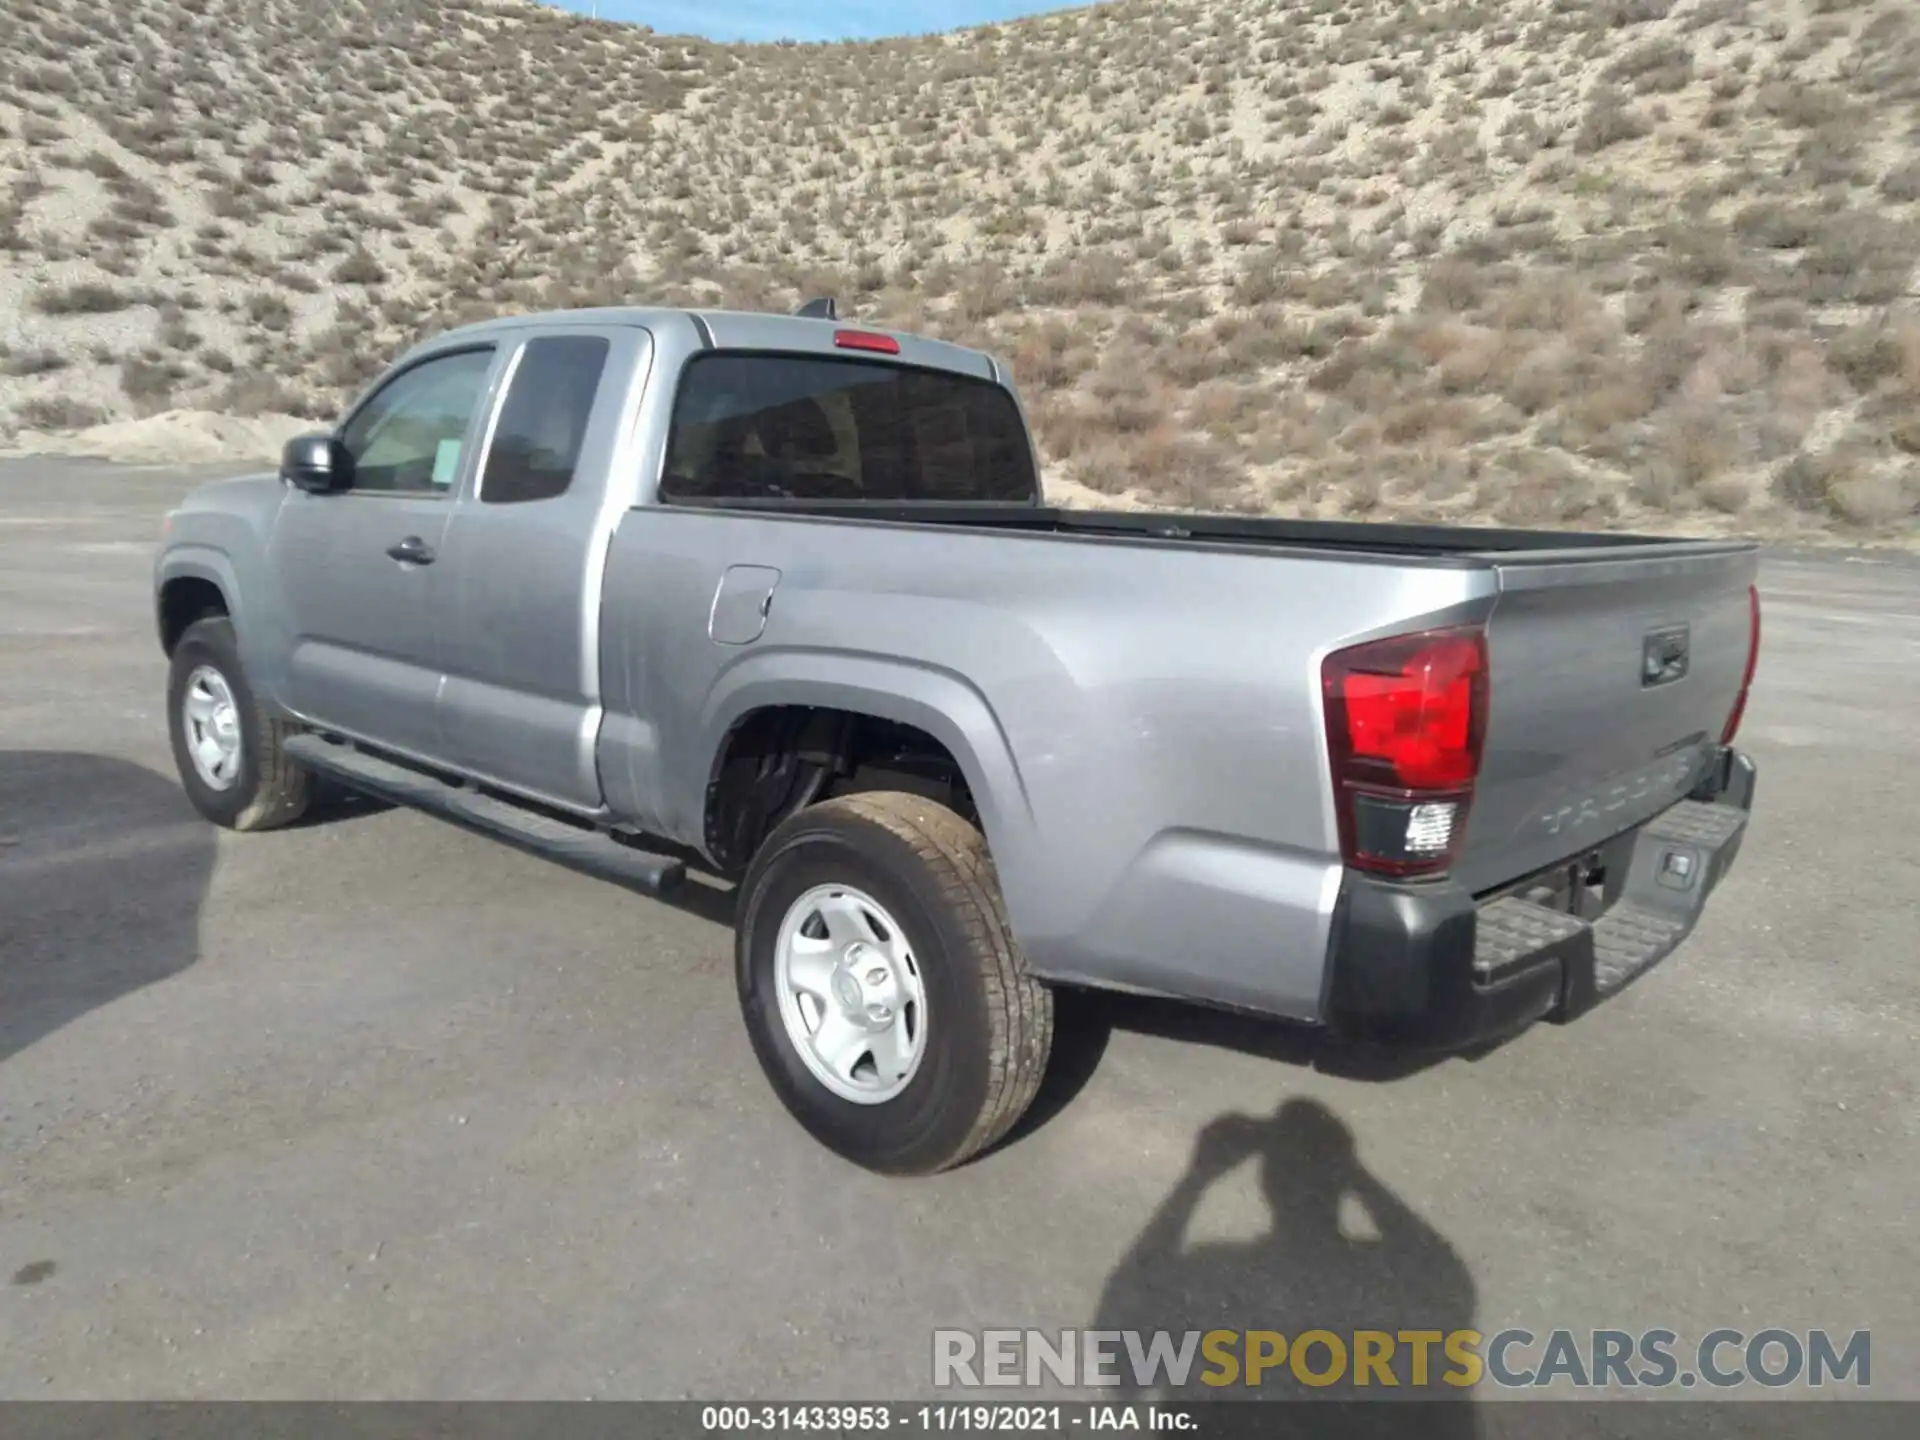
577,846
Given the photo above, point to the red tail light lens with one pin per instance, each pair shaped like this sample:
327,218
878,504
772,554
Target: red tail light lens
1753,659
1405,719
866,340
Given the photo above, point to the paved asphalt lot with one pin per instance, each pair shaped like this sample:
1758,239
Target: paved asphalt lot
377,1108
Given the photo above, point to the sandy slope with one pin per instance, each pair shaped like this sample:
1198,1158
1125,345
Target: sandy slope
174,437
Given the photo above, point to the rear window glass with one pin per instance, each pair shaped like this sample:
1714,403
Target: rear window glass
817,428
536,444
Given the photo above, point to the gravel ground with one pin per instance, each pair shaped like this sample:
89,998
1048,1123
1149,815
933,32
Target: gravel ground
375,1108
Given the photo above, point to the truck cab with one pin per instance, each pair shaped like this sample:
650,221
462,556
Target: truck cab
446,601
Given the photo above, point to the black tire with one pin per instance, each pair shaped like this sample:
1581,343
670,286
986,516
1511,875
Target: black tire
270,790
989,1024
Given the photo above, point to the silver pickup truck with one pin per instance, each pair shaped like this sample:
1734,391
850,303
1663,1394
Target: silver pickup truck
779,598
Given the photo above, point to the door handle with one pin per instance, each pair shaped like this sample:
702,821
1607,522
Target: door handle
411,551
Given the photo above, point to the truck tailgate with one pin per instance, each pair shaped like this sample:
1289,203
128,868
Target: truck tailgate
1611,679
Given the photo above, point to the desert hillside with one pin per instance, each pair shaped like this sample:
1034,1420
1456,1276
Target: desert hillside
1609,262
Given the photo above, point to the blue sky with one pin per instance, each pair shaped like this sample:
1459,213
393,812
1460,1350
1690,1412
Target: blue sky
809,19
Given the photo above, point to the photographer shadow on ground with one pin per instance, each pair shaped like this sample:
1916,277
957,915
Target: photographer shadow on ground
1085,1021
1341,1253
103,870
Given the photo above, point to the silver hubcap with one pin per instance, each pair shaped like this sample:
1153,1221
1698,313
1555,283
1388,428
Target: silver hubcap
850,994
212,724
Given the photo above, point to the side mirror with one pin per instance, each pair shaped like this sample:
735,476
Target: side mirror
317,463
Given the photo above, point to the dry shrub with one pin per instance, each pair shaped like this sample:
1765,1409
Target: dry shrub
1698,442
1871,500
1621,13
1197,356
1806,480
1726,367
1654,66
1700,433
1669,349
1453,284
1290,428
1557,303
150,384
1867,355
1437,474
84,298
1124,387
1608,120
1099,277
1478,362
1543,376
1863,258
1102,463
1269,337
1359,490
1700,253
1364,437
1070,427
31,362
1806,105
1618,394
984,291
1189,471
1463,358
1435,339
1262,280
1906,335
1902,183
1438,421
269,311
1050,355
259,394
57,412
1225,410
1779,225
1729,494
1537,488
1655,484
359,268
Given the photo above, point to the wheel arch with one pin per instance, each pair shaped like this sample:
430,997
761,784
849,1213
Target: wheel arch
192,585
945,708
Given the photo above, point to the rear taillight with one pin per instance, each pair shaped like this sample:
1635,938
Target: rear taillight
1753,659
1405,720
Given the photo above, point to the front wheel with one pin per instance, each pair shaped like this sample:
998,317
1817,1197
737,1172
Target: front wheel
882,990
226,745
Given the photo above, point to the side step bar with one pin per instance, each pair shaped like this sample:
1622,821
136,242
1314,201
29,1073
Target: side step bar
576,846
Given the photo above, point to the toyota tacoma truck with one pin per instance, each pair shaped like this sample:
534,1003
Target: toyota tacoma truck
778,597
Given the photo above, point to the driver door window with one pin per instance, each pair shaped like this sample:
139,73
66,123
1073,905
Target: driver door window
408,439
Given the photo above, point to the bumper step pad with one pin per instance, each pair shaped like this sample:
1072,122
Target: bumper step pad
1677,859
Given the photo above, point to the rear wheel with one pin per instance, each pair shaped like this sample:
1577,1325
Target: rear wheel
226,746
882,990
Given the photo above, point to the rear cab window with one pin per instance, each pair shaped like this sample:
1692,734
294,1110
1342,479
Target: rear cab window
543,420
757,426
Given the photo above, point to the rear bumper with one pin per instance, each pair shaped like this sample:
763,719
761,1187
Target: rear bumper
1426,965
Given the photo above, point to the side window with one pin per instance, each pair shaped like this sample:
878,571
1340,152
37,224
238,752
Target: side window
536,443
406,440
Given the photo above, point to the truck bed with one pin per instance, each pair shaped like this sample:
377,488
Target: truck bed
1470,546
